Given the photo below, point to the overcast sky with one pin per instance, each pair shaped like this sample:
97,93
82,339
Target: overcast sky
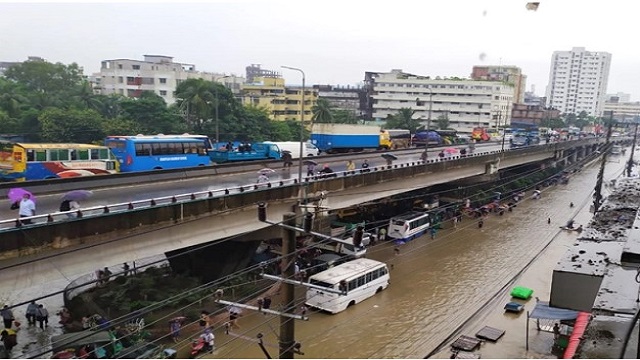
334,42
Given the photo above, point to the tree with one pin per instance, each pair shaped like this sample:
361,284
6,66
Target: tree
120,126
195,99
552,123
443,122
403,120
72,125
45,77
342,116
151,114
8,125
281,131
322,111
570,119
86,99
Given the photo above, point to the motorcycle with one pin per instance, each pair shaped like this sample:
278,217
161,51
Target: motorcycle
198,346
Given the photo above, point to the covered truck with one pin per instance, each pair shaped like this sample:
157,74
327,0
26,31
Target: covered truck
336,138
247,152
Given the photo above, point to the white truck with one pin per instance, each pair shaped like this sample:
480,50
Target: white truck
294,148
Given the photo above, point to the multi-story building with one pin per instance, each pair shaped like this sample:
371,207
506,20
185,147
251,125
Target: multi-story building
466,103
509,74
619,97
525,115
157,73
578,81
349,98
623,111
282,102
254,71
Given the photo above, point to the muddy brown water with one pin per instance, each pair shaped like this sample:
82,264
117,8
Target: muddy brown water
436,285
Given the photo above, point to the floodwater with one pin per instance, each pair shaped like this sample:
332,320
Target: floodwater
436,285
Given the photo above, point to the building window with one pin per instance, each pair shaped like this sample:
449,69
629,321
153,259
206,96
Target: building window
136,67
163,80
120,79
163,92
119,66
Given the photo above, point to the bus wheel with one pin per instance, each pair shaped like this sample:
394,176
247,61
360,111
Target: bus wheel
379,289
353,302
157,168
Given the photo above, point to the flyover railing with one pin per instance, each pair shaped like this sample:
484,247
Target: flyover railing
75,215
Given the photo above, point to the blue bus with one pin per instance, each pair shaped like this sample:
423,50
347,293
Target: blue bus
155,152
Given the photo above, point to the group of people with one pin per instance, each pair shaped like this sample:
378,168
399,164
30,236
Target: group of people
27,208
36,313
104,275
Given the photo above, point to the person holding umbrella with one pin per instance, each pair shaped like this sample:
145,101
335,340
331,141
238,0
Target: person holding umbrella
70,201
27,208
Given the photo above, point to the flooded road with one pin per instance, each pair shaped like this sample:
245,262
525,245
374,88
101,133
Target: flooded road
436,285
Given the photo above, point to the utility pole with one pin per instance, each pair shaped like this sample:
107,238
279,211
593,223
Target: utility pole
287,326
597,196
633,149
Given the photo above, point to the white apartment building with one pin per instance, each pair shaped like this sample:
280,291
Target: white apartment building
467,103
156,73
578,81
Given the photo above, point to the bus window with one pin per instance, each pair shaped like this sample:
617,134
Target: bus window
30,155
74,154
104,154
41,155
95,155
158,149
143,149
83,154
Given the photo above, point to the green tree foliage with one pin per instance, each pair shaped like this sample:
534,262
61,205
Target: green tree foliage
151,114
403,120
45,77
552,123
72,125
120,126
342,116
322,111
443,122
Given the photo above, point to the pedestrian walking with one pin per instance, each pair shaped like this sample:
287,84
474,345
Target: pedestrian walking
262,178
351,165
549,220
556,331
7,316
42,316
571,205
27,208
480,223
106,274
311,169
204,319
455,222
32,309
125,269
9,338
175,330
433,231
396,250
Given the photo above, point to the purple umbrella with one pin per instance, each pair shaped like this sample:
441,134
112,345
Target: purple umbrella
77,195
16,194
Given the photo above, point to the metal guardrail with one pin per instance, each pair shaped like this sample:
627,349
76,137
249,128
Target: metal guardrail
75,215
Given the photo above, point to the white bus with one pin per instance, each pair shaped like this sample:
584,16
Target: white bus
360,279
409,225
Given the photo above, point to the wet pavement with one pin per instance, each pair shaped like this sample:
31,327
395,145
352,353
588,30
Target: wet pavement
50,203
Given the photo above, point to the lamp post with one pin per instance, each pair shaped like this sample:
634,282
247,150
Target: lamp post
301,124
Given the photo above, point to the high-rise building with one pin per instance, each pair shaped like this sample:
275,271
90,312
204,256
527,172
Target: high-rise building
348,98
509,74
578,81
157,73
466,103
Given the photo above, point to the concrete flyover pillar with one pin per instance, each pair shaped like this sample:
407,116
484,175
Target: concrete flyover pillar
573,158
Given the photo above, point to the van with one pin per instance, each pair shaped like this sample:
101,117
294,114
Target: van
294,148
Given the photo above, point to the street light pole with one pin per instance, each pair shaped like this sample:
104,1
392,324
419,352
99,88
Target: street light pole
301,125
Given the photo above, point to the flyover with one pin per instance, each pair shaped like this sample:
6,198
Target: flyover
155,226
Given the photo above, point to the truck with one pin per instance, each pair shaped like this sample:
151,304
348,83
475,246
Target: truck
249,152
338,138
293,147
